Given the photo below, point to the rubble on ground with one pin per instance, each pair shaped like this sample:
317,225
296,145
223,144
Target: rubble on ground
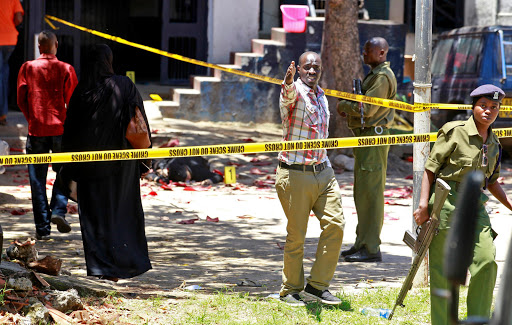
27,297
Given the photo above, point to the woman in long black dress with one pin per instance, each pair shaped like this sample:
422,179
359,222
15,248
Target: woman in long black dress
108,193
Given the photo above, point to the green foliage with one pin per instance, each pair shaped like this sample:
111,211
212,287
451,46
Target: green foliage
228,306
3,291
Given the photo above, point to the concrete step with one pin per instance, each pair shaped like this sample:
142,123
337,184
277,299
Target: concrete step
168,108
180,94
189,101
198,80
261,46
278,34
226,76
248,61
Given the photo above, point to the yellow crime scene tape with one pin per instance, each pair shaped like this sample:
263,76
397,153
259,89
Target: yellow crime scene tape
229,149
417,107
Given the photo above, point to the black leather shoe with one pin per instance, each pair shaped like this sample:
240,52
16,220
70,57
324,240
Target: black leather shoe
364,256
350,251
62,223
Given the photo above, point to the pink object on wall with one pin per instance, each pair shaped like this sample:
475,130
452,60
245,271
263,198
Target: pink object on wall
294,18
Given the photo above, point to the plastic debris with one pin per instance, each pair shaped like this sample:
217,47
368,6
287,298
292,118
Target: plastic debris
192,287
376,312
18,212
257,171
187,222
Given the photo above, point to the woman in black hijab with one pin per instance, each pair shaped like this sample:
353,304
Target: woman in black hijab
108,193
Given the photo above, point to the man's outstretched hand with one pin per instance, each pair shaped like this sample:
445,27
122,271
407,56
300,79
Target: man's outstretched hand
290,73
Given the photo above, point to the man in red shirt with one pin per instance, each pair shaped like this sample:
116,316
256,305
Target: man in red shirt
11,15
45,86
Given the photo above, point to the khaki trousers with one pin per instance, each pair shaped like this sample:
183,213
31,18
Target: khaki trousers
483,268
300,193
370,165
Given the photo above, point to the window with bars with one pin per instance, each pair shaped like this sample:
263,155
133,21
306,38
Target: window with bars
186,46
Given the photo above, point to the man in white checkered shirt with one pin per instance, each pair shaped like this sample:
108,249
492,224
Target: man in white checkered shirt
305,182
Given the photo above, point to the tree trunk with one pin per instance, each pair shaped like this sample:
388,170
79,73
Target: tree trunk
341,57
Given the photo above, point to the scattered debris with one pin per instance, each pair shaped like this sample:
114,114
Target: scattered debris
171,143
389,217
192,287
212,219
48,265
19,284
37,312
187,222
257,171
363,285
24,252
245,216
248,283
65,301
19,211
404,192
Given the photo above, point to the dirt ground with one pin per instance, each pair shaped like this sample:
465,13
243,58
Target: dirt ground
243,250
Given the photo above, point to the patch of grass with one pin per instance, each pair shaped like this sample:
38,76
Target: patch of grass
226,307
2,295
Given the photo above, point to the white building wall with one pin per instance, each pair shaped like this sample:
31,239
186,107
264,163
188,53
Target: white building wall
271,14
504,12
396,11
480,12
231,26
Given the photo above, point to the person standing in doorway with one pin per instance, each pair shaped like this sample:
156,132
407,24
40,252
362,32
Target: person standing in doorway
370,162
45,86
11,15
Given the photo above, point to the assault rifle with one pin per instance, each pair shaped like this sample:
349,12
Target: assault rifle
357,89
419,244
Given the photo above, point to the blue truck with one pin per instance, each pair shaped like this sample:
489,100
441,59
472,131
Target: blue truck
465,58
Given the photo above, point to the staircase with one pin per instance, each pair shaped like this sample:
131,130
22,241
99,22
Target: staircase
229,97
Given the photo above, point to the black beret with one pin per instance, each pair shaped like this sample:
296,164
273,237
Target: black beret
489,91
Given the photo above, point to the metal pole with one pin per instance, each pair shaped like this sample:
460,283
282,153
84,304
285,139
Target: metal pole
422,94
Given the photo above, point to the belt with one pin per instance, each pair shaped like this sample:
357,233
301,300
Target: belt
305,168
378,129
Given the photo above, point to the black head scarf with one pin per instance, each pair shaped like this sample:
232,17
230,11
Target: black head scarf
99,111
97,66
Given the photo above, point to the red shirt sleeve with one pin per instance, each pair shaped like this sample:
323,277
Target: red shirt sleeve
70,84
23,91
18,7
